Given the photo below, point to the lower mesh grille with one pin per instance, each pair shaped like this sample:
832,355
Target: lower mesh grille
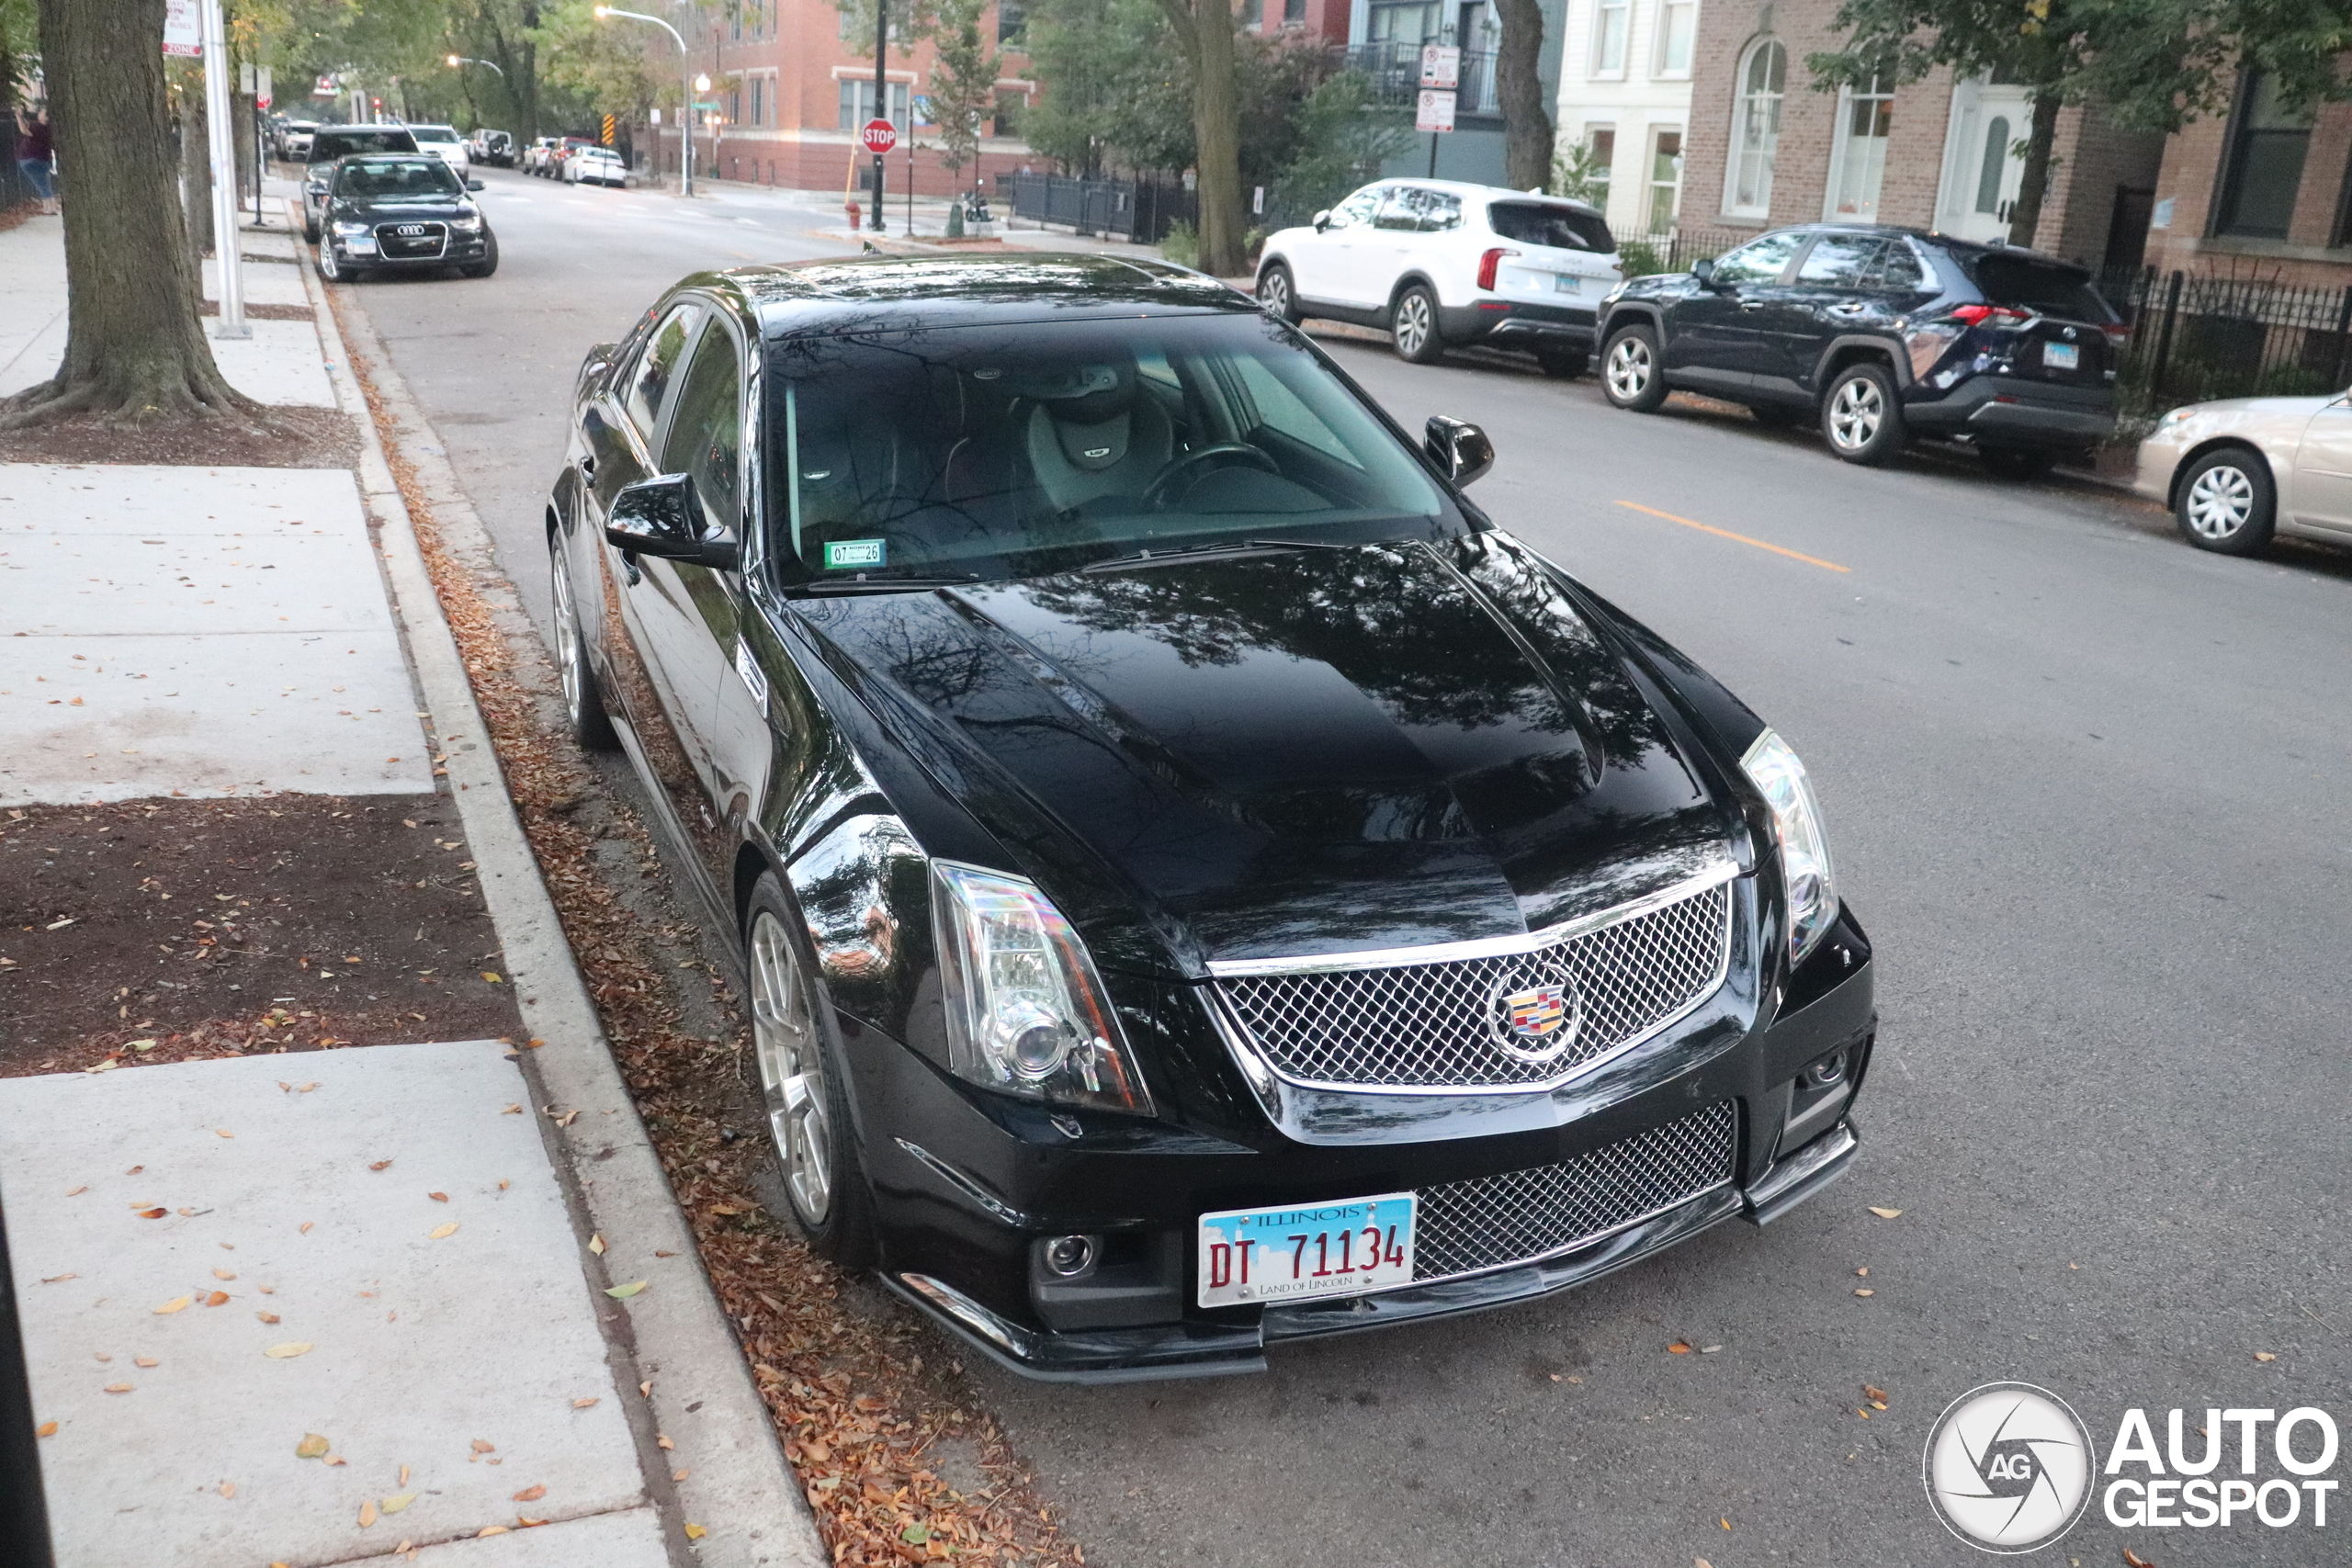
1491,1221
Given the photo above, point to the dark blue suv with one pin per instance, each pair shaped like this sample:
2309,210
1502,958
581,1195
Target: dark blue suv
1879,333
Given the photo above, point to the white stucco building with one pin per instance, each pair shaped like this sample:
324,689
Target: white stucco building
1626,92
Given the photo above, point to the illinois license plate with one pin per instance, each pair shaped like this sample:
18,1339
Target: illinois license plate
1566,283
2061,356
1303,1251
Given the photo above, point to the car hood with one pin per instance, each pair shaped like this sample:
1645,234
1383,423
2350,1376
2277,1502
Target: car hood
1296,753
439,208
2240,409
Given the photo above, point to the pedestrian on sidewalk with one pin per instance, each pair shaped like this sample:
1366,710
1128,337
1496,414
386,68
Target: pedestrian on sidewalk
35,153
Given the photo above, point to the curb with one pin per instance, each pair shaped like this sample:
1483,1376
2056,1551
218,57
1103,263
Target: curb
732,1467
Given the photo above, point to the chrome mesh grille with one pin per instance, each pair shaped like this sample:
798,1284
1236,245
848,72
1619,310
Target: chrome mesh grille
1436,1025
1492,1221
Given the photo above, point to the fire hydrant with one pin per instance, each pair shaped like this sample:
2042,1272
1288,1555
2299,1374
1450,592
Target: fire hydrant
855,214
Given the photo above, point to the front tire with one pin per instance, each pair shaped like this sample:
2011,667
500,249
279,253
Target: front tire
1279,294
489,263
1861,418
1630,374
802,1084
2228,502
1412,323
583,697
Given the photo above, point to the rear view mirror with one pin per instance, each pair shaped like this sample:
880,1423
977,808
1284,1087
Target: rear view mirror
659,517
1459,447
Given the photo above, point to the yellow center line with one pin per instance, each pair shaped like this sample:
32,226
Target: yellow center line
1740,538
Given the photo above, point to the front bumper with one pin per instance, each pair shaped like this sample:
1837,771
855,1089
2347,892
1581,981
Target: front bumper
2159,463
967,1185
2012,413
1508,323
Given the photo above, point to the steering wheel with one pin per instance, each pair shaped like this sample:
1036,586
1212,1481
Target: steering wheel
1156,494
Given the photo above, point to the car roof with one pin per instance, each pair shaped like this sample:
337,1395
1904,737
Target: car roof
1952,243
1491,193
892,293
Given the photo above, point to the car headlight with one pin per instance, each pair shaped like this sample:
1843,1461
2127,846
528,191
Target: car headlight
353,231
466,225
1804,846
1026,1014
2176,416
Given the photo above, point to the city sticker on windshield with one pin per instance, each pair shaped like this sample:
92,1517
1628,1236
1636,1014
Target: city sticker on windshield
844,553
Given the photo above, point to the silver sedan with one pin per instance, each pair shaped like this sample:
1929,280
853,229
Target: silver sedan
2238,471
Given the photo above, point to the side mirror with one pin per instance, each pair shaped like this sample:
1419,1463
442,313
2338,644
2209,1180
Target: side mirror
1704,269
659,517
1459,447
475,185
1322,221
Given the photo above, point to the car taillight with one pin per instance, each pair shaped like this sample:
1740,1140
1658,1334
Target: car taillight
1992,315
2119,337
1487,262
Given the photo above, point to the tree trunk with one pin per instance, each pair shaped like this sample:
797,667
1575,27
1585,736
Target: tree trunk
1519,91
135,350
1205,31
2025,218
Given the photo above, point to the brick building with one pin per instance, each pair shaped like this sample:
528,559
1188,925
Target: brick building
1766,147
2260,192
793,90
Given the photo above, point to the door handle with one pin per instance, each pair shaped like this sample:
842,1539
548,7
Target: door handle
1751,304
1849,309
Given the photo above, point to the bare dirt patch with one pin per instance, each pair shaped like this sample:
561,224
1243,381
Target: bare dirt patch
306,438
210,927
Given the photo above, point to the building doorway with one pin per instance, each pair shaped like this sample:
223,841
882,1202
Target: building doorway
1983,167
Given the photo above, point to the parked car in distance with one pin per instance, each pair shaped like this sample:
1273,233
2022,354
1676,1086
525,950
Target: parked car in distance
1879,334
2240,471
293,139
560,155
331,142
595,166
1201,884
444,142
1442,265
495,148
407,212
533,153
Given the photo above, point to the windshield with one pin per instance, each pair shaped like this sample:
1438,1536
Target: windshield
1546,223
433,132
389,179
1015,451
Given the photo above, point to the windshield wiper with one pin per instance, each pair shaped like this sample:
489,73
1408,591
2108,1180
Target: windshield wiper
863,584
1194,552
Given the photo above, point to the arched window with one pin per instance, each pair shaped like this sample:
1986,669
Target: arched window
1763,78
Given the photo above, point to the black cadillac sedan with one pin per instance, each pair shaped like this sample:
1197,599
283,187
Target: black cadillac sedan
401,212
1199,883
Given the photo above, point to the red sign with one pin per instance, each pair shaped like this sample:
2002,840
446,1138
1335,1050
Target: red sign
878,135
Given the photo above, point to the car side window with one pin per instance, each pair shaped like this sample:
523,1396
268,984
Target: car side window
705,436
1758,261
656,366
1839,261
1358,208
1401,210
1897,270
1437,211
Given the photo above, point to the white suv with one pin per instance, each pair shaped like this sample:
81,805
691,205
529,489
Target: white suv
1441,264
444,142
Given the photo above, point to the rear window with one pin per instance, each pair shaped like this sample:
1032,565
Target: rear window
433,132
2048,288
328,145
1545,224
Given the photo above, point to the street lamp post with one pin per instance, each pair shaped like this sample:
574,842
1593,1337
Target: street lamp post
469,60
686,116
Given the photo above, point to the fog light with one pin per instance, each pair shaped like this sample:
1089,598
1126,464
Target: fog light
1829,1071
1069,1256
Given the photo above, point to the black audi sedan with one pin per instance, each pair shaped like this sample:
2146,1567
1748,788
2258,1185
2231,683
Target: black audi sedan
1878,334
401,212
1199,883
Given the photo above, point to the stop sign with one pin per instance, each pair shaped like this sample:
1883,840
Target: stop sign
878,135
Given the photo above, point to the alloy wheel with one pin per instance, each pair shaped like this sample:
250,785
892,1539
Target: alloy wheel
1856,411
1275,293
792,1070
1629,368
567,643
2221,502
1411,327
328,268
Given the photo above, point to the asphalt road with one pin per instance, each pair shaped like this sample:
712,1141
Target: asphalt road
2087,790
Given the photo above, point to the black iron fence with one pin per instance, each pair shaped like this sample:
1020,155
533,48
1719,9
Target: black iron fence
1674,251
1137,210
2198,338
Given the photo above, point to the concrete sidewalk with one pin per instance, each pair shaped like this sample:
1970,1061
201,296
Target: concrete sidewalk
406,1250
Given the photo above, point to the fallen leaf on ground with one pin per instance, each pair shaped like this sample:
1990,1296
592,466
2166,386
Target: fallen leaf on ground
623,1292
527,1522
484,1446
1886,1214
1861,1273
662,1441
77,1192
367,1513
531,1494
439,1232
153,1213
404,1475
286,1351
313,1446
46,1429
2134,1559
1870,1393
596,1244
335,1459
1680,1347
1865,1292
118,1388
1709,1349
512,1111
490,1530
305,1228
267,1316
216,1298
679,1474
2265,1356
491,976
174,1304
223,1274
145,1361
223,1133
228,1489
581,1403
1878,1405
397,1501
438,1197
380,1165
695,1532
60,1278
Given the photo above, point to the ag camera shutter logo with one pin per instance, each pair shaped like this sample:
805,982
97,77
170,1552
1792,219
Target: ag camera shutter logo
2008,1467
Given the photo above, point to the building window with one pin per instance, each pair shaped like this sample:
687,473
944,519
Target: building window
1414,22
1012,23
1865,117
857,103
1611,22
1678,29
1294,13
1601,157
1763,78
1008,108
1665,181
1253,12
735,107
758,103
2264,168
